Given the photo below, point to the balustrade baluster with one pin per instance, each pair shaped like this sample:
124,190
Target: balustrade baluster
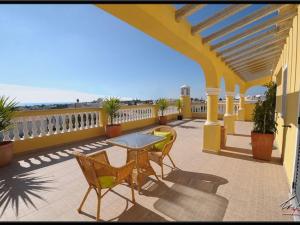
64,125
43,127
16,131
25,129
92,124
6,135
49,125
89,122
98,118
34,126
56,124
76,122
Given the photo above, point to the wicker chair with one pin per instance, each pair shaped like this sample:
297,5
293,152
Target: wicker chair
101,175
158,155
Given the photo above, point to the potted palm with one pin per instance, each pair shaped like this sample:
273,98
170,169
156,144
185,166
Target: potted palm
111,107
7,109
265,126
162,105
179,108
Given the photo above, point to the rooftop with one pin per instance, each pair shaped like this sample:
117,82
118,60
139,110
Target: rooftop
48,185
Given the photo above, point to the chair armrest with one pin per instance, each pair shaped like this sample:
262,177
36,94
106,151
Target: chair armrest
94,154
125,171
103,169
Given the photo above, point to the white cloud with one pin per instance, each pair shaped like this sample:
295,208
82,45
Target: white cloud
28,94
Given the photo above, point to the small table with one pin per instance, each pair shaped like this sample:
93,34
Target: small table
137,145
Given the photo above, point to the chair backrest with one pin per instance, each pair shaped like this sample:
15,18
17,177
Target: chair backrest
87,167
168,146
167,129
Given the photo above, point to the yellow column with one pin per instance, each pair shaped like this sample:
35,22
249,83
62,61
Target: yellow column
186,106
103,117
212,129
229,117
241,112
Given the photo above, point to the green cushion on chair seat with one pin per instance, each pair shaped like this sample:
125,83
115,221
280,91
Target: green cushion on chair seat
160,145
107,181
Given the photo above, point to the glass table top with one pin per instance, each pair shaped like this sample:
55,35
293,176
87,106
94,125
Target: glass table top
135,140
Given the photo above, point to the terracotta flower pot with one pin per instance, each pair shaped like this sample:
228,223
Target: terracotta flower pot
162,120
223,137
262,145
6,152
113,130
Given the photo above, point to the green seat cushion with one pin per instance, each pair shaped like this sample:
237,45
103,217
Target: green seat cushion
107,181
160,145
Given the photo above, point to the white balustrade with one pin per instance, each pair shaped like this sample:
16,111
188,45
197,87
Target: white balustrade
134,114
221,107
39,126
169,111
199,108
202,108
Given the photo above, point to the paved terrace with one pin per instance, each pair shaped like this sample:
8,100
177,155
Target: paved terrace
49,186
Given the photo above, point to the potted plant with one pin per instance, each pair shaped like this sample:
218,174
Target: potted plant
162,105
7,109
265,126
179,108
111,107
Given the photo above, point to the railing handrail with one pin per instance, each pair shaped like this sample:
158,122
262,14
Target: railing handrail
44,112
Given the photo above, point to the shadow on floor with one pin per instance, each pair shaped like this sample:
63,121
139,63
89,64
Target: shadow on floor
246,154
135,213
192,197
188,127
179,123
240,135
50,156
200,181
24,187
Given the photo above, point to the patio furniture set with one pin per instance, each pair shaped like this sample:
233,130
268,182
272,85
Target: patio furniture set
141,148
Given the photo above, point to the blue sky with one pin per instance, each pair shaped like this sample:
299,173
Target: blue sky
88,52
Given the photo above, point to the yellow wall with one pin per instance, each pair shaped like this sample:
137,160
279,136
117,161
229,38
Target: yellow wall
286,138
248,111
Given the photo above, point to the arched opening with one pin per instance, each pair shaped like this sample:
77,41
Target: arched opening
254,93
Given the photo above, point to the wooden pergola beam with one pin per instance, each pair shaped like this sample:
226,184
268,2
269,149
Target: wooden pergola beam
243,22
266,34
254,55
245,69
187,10
272,33
267,57
255,29
255,48
253,69
262,64
255,58
230,10
266,68
258,70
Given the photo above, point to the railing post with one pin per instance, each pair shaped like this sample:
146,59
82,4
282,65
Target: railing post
103,117
155,112
186,106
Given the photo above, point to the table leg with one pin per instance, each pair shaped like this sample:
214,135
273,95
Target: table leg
142,165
